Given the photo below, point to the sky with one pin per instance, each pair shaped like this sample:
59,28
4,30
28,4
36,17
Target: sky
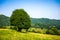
35,8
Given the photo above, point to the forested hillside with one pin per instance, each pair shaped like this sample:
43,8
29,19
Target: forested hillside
45,22
4,21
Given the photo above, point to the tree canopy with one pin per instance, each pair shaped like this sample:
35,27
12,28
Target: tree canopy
20,19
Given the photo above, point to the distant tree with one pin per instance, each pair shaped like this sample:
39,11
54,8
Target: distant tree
53,30
20,19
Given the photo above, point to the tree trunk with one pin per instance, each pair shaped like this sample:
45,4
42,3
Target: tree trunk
26,30
19,29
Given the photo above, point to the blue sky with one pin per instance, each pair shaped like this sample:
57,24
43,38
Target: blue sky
35,8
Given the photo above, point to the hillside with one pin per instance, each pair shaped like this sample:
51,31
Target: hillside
8,34
4,20
45,22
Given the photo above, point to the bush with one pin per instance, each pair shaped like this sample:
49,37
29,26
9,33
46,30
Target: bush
5,27
23,30
35,30
14,28
59,32
43,31
50,32
53,31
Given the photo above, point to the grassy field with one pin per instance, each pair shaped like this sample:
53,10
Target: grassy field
8,34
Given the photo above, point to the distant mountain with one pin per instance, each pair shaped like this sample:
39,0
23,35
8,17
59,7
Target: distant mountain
4,20
45,22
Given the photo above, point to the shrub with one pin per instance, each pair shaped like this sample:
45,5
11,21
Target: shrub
36,30
14,28
53,31
5,27
43,31
23,30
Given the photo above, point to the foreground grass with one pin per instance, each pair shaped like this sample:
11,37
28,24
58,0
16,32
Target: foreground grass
8,34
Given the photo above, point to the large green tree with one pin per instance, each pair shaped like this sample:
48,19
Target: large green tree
20,19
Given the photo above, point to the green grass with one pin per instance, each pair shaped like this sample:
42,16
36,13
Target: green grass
8,34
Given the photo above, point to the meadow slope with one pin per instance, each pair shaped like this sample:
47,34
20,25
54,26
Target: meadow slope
8,34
